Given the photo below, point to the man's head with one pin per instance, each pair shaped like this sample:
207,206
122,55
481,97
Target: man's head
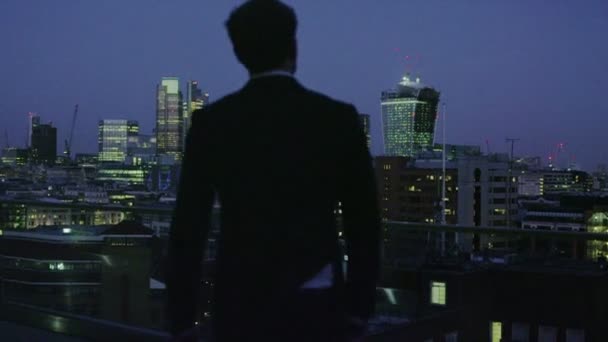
263,34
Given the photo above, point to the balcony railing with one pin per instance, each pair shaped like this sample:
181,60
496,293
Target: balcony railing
413,256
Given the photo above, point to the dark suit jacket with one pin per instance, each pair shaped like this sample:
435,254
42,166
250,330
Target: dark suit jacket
279,157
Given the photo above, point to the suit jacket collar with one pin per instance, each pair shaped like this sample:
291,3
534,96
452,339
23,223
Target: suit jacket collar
271,81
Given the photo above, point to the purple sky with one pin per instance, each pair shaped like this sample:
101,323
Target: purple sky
535,70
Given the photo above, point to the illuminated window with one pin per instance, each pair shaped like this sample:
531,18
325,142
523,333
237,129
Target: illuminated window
495,331
438,295
500,211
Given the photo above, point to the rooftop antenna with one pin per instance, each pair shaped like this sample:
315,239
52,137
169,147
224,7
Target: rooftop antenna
443,204
510,179
409,61
6,141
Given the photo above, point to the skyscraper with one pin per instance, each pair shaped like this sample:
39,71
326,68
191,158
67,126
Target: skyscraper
169,120
409,113
132,136
34,121
43,142
195,99
113,139
366,125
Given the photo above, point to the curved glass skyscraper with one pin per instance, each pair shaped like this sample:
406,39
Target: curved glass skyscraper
409,113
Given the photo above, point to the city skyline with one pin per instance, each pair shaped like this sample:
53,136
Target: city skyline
493,227
523,75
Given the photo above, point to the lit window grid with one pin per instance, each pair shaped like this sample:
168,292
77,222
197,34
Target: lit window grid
122,175
112,139
408,126
169,123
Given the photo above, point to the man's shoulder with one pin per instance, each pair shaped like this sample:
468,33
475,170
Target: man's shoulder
311,98
320,99
211,109
219,104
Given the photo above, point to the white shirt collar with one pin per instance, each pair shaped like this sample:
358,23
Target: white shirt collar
271,73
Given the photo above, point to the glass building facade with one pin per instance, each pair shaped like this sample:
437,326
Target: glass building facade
195,99
170,135
124,174
409,113
114,137
15,156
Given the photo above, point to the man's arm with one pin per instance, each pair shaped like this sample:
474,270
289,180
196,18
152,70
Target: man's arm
361,219
189,230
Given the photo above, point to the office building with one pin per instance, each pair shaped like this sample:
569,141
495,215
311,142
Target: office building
409,113
570,181
132,136
195,99
43,143
366,125
554,183
453,152
34,120
163,177
169,120
14,156
86,158
143,151
488,192
120,174
530,184
411,194
114,137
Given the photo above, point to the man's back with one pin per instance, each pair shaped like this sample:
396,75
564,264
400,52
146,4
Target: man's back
279,158
276,159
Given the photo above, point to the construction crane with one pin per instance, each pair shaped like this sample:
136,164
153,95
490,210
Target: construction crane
68,142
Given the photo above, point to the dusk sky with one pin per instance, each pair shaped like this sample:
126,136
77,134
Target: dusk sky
528,69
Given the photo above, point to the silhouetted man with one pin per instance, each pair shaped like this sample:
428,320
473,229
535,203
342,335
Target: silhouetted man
279,158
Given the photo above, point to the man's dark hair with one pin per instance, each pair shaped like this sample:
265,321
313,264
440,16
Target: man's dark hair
263,33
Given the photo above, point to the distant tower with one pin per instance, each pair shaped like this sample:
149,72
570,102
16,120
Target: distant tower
195,99
43,142
34,120
366,125
169,120
409,113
